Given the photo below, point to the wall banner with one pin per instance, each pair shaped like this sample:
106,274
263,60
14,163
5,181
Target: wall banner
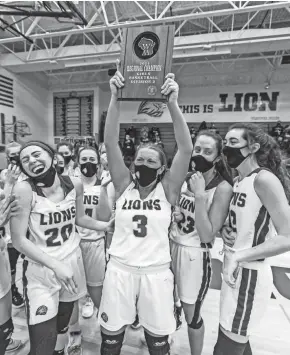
217,104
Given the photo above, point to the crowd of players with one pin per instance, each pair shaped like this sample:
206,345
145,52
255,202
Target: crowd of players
135,240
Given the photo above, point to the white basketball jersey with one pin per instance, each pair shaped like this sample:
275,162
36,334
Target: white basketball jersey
184,232
248,218
141,237
91,201
52,224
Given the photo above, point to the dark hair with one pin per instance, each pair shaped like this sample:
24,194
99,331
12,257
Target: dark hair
40,144
87,147
66,144
221,165
161,154
269,155
58,155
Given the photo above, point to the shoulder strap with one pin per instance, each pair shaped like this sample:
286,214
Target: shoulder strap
256,171
214,182
66,184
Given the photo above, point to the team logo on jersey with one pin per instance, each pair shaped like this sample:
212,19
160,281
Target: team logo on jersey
152,109
239,199
104,317
41,311
148,205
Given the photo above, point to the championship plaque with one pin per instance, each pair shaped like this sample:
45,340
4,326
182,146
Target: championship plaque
146,58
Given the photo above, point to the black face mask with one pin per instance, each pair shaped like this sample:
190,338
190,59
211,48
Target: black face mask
67,159
89,169
45,179
59,169
201,164
234,156
15,160
146,175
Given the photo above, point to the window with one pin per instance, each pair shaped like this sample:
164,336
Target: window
73,114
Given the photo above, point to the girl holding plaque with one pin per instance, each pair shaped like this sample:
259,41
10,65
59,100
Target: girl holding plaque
138,279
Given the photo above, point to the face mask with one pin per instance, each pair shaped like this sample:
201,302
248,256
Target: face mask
15,160
45,179
201,164
59,169
146,175
234,156
67,159
89,169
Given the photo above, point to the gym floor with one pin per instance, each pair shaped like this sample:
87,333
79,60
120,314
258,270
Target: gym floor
271,339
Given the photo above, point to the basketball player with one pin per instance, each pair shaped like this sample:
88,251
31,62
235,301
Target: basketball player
8,208
92,242
259,217
59,163
138,278
203,208
53,272
10,176
66,150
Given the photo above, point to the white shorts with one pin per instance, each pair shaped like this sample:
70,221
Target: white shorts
43,291
242,308
193,271
5,273
128,291
94,259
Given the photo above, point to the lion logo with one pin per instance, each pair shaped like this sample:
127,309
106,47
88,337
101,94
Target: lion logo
147,46
152,109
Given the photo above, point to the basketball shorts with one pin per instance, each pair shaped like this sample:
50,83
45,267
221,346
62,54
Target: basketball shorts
43,291
5,273
128,291
192,271
94,259
243,307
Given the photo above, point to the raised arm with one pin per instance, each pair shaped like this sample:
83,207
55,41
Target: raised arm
119,172
82,219
175,177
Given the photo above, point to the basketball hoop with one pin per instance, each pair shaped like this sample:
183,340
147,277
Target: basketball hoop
22,129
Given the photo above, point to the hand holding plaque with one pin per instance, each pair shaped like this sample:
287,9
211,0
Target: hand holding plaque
117,81
146,58
170,88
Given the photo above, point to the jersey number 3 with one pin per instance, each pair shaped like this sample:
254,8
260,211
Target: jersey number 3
141,230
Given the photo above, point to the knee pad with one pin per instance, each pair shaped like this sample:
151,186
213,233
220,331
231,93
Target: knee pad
112,344
195,324
63,316
6,331
157,345
227,346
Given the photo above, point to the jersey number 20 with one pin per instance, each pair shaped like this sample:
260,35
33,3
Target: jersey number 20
141,230
53,234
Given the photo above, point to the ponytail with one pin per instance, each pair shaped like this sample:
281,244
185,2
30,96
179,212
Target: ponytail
224,171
